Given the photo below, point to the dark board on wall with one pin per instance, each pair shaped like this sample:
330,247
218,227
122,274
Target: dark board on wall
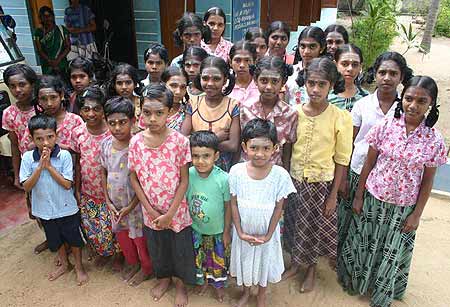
246,14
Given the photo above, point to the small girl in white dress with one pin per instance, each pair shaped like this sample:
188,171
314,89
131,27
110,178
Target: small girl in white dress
258,190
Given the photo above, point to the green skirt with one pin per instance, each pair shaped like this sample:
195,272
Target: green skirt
376,255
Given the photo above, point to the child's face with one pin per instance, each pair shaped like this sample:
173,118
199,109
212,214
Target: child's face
241,62
192,67
154,114
50,101
217,25
259,151
44,138
92,113
212,81
349,65
192,36
317,87
120,126
203,159
261,47
155,67
278,42
416,102
334,41
20,88
309,49
269,84
124,85
177,84
79,80
388,76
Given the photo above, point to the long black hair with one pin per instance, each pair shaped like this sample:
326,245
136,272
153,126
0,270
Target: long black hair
315,33
175,71
227,72
277,26
326,68
190,20
243,45
55,83
431,87
270,62
351,48
123,69
215,11
406,72
339,29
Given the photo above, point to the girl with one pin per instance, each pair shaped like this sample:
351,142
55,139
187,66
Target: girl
319,157
190,31
277,35
390,69
336,36
270,76
20,80
192,60
348,59
258,191
86,139
259,39
124,81
215,111
242,57
176,80
394,186
122,202
215,19
311,44
156,59
81,72
158,160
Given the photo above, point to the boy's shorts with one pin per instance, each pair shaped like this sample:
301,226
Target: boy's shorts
63,230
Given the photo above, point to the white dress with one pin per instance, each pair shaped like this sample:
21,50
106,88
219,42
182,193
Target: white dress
256,201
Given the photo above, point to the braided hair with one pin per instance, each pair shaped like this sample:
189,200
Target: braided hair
190,20
271,62
325,67
350,48
315,33
406,72
225,69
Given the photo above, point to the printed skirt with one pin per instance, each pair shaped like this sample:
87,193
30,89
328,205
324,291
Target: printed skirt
211,259
376,255
308,234
97,227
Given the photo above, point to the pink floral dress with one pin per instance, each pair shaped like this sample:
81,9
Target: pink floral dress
222,49
16,121
158,172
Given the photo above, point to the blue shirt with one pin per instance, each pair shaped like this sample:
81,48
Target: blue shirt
79,17
50,200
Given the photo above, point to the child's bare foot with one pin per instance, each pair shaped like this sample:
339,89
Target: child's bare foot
220,294
308,282
41,247
291,272
181,296
59,272
158,291
244,298
56,261
201,290
118,261
82,276
129,271
138,278
101,261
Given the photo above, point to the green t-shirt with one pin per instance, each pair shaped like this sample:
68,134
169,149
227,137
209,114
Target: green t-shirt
206,197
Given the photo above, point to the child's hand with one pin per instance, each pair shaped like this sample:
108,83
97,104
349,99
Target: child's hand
163,221
113,211
252,240
124,212
330,206
344,189
226,238
44,162
223,135
357,205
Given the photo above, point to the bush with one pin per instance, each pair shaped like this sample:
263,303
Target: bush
375,30
442,27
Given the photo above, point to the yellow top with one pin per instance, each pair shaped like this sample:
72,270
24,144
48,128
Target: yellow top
322,141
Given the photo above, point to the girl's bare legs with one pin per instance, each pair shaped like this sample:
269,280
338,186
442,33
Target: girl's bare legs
291,272
181,295
261,298
244,298
310,277
82,276
161,288
64,267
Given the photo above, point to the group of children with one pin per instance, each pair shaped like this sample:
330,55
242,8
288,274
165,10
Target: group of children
206,168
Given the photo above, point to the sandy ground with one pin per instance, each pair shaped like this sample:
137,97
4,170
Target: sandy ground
24,280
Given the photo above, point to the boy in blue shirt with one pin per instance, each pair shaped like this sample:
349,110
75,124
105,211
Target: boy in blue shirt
47,172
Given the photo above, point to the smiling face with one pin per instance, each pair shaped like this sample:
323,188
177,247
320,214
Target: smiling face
349,65
203,159
120,126
334,41
92,113
155,66
269,84
50,101
388,76
416,102
20,88
217,25
44,138
154,115
309,49
278,42
124,86
317,87
178,85
192,36
79,80
212,81
259,151
241,62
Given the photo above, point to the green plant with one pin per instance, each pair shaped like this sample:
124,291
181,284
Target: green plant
442,27
409,37
374,31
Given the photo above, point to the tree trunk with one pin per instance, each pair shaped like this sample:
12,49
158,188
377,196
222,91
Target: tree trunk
425,45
